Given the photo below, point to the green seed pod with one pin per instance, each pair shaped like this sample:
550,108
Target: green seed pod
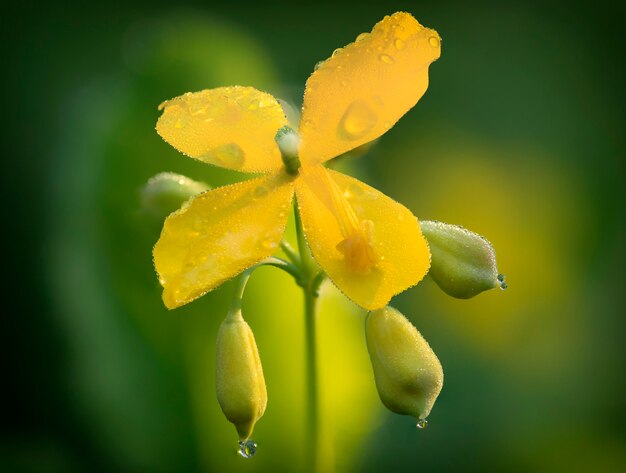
167,191
407,372
240,384
463,263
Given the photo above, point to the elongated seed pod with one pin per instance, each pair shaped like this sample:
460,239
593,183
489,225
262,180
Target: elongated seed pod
240,384
407,372
463,263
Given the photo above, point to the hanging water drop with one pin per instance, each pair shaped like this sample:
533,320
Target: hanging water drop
503,285
421,424
247,448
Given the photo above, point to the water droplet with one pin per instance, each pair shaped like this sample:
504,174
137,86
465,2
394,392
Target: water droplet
253,105
266,102
336,51
399,44
501,283
401,216
269,244
362,36
344,83
260,191
386,58
247,449
434,41
357,121
422,424
318,65
179,124
229,155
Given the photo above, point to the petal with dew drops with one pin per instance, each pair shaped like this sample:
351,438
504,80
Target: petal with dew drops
370,246
364,88
230,127
220,233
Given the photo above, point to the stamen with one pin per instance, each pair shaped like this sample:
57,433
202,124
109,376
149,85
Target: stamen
357,245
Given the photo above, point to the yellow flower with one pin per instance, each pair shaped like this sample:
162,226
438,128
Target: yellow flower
370,246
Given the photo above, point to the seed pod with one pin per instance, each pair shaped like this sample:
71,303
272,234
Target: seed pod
463,263
407,372
167,191
240,384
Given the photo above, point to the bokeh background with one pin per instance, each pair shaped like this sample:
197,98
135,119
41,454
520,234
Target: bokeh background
520,137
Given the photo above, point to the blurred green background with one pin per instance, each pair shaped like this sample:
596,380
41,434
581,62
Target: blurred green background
520,137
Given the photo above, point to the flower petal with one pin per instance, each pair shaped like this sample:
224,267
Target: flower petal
230,127
218,234
384,256
363,89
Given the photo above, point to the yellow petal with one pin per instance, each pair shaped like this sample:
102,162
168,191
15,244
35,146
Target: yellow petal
230,127
363,89
220,233
368,244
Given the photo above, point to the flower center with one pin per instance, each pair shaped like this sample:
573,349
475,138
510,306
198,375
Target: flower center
288,143
357,245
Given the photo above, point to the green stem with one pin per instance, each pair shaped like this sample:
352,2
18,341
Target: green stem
312,446
310,283
242,280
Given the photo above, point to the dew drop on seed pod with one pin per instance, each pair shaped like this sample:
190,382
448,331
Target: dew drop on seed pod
503,285
421,424
247,449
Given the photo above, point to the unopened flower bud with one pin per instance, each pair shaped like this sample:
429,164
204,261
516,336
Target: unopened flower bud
167,191
240,384
463,263
407,372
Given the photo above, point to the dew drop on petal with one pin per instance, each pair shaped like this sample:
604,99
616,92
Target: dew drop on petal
399,44
336,51
421,424
362,36
434,41
229,155
386,58
357,121
318,65
247,449
260,191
